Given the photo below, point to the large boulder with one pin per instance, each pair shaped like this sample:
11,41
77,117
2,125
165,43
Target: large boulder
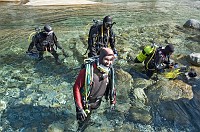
170,90
124,81
194,58
138,90
192,23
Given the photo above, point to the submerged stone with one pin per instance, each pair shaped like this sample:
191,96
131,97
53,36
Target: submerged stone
194,58
192,23
3,105
56,127
140,95
140,115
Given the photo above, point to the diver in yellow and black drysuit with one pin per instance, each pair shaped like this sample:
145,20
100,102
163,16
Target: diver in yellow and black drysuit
159,60
155,59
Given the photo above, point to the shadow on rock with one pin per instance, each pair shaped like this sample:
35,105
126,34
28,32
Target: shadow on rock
138,73
183,114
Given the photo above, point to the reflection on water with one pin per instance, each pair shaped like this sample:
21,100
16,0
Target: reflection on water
45,89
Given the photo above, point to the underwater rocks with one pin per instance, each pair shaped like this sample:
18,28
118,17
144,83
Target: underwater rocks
3,105
140,115
56,127
139,94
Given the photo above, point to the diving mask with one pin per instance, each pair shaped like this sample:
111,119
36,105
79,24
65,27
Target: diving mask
108,25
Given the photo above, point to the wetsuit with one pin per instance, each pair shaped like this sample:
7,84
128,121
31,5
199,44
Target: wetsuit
99,37
98,90
45,42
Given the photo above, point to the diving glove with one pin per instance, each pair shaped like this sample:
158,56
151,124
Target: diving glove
81,115
29,52
112,107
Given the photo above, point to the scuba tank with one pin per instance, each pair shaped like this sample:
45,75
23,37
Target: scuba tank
37,30
144,53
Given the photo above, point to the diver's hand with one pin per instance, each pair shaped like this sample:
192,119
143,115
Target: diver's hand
112,107
29,52
81,115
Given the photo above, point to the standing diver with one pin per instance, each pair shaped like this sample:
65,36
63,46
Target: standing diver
100,35
92,84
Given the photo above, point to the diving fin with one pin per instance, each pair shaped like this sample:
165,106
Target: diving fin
33,55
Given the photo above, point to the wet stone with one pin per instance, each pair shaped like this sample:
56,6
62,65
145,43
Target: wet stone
3,105
124,81
192,23
13,92
194,58
140,115
56,127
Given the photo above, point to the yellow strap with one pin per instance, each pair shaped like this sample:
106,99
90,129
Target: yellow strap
87,27
103,32
30,36
154,51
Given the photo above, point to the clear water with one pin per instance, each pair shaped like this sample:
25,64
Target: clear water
36,86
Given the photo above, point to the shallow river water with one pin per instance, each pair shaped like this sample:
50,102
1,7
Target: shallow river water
37,96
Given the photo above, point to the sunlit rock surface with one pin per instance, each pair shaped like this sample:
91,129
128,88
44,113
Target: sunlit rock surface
194,58
192,23
172,90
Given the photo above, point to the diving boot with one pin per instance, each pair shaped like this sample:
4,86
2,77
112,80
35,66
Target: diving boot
58,62
40,56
